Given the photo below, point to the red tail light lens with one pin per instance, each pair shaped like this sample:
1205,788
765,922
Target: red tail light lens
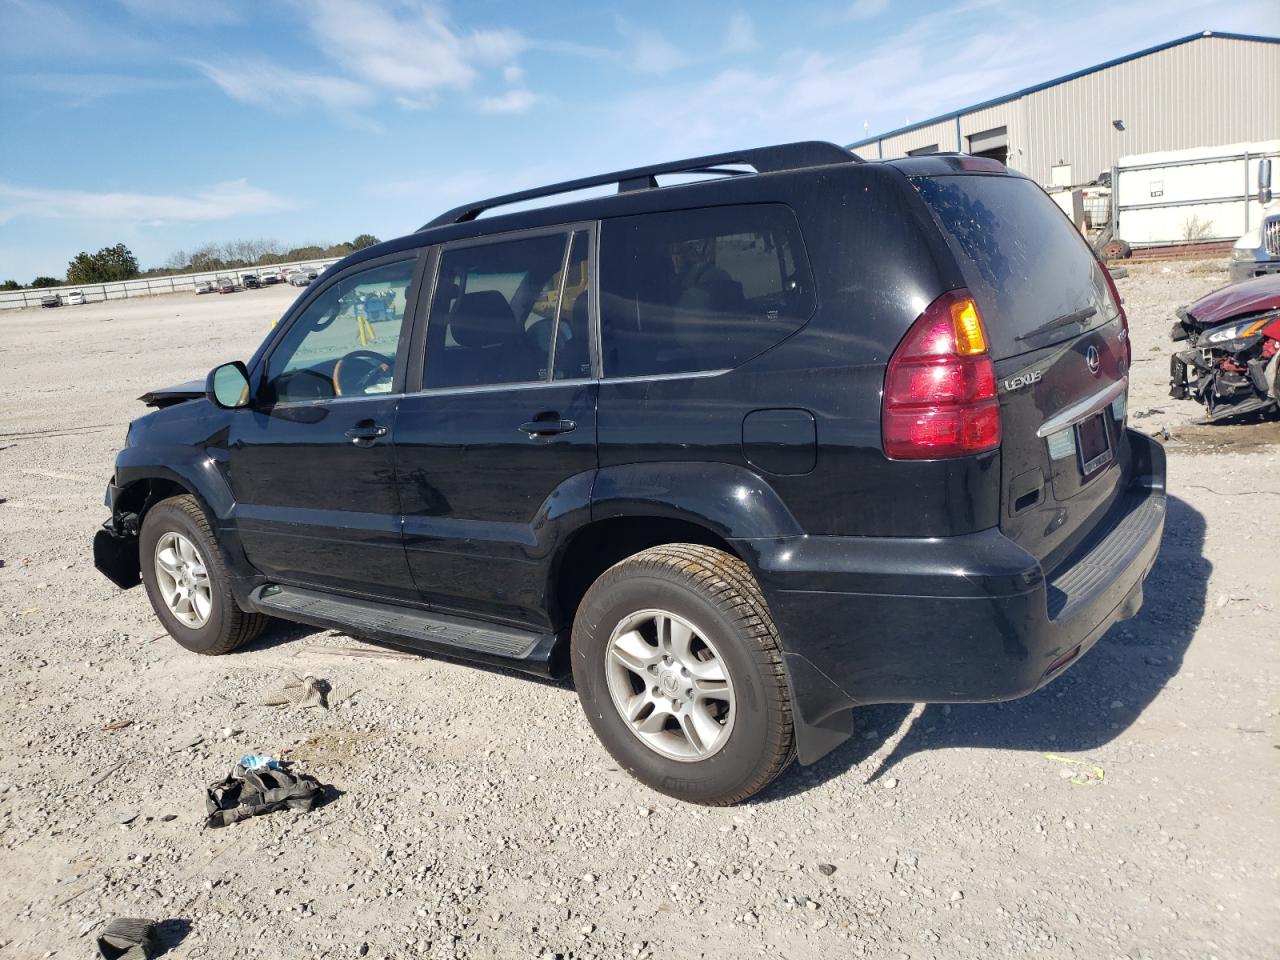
940,388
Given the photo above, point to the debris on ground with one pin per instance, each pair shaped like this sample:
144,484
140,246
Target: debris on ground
302,694
1085,772
257,761
127,938
246,793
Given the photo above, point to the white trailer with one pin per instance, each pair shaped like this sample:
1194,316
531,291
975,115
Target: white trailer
1188,196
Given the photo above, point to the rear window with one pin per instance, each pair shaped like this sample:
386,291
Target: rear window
695,290
1027,266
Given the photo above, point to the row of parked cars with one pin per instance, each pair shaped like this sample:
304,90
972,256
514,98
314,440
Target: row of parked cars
297,277
72,298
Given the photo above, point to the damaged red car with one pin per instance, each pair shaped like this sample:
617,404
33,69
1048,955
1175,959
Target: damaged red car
1232,361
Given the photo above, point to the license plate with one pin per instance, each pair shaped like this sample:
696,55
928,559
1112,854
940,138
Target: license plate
1093,443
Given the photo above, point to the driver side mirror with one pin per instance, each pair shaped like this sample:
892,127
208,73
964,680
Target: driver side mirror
227,386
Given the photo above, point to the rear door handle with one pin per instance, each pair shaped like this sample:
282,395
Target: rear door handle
364,434
548,428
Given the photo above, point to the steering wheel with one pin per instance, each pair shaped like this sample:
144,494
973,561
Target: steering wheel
355,373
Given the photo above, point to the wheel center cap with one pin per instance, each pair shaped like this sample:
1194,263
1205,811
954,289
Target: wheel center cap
669,681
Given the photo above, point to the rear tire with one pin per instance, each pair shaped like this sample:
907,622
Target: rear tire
677,664
187,582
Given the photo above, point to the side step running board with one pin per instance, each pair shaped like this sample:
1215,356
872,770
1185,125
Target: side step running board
417,630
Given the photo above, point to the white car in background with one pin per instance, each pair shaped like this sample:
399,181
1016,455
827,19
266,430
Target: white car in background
74,299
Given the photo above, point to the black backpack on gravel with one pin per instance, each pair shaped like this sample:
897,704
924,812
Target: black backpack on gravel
250,793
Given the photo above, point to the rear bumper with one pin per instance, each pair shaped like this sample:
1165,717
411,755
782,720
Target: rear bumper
969,618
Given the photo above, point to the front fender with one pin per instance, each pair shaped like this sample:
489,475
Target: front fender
190,467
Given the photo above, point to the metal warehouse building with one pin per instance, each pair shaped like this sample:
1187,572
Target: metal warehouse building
1202,90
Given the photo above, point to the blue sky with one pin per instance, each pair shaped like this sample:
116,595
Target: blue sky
165,124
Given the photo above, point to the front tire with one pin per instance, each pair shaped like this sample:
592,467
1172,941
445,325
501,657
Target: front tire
187,582
677,664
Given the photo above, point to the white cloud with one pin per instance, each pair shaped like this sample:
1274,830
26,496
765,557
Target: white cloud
33,30
866,9
649,50
265,84
414,103
205,13
741,34
405,48
808,94
221,201
513,101
82,88
494,46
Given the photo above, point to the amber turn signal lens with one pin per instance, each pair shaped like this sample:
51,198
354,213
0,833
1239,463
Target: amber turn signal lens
971,339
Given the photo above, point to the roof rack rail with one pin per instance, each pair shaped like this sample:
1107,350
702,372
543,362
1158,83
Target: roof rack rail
787,156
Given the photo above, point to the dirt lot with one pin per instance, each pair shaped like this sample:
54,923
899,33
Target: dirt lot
1127,810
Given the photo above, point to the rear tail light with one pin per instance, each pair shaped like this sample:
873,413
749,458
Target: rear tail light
940,389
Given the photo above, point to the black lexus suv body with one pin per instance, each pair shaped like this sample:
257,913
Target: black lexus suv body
743,453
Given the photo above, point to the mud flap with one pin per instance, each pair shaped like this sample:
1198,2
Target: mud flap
116,558
821,711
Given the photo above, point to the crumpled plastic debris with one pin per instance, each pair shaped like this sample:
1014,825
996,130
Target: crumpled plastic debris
257,761
302,694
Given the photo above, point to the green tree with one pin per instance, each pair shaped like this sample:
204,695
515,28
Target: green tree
10,285
40,282
364,240
108,264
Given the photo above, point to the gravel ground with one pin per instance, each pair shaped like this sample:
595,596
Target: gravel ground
1126,811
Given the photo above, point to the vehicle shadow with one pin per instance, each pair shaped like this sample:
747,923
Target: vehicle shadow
1084,709
170,934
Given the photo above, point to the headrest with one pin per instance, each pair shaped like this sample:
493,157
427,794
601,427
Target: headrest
483,319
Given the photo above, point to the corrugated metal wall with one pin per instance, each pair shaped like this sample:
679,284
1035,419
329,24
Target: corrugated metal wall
1212,90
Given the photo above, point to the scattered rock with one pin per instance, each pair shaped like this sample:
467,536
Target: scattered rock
826,869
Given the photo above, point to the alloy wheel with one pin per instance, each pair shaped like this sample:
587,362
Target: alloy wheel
670,685
183,580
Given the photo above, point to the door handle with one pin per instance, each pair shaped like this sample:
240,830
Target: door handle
364,434
548,428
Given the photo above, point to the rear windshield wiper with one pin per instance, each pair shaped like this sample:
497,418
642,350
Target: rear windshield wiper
1066,319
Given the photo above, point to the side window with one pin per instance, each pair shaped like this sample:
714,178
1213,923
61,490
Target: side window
700,289
494,314
344,344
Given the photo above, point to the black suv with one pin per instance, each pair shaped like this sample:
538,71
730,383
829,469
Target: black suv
742,453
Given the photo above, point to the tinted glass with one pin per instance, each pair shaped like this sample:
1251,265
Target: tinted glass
699,289
1024,261
494,312
344,343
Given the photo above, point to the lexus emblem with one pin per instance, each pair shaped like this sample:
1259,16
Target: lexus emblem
1092,360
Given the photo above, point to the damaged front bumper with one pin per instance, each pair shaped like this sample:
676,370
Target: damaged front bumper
115,545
